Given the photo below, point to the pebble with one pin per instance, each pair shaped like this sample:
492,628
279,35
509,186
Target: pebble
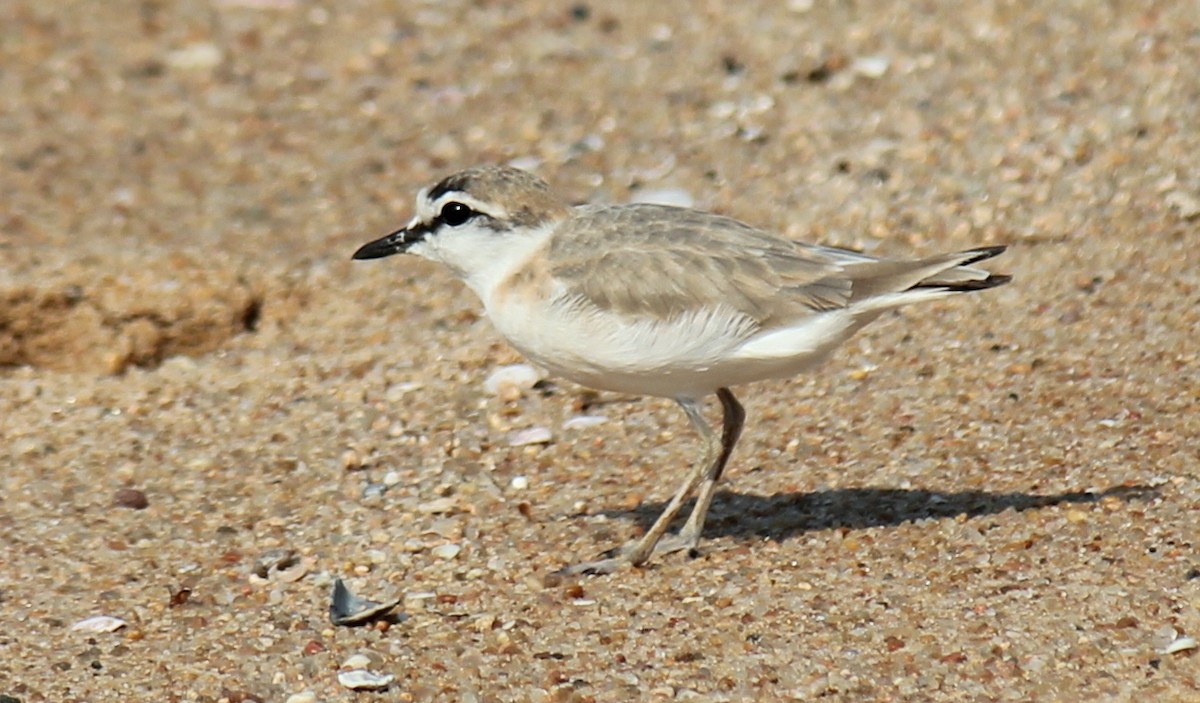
196,56
262,5
364,680
131,498
439,505
532,435
374,490
1187,205
26,446
582,422
525,163
357,661
99,623
519,483
871,66
302,697
392,478
396,392
446,551
446,148
676,197
513,378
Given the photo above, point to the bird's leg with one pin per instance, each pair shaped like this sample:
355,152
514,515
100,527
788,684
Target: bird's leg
716,453
733,420
649,542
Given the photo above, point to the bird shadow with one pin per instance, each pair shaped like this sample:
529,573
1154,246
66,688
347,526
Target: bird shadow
781,516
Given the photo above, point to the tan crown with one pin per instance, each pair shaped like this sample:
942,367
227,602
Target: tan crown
519,197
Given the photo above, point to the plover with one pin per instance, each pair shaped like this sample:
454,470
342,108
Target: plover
658,300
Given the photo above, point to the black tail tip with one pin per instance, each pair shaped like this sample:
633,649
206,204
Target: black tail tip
984,253
995,279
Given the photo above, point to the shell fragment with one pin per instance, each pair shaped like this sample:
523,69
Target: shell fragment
347,609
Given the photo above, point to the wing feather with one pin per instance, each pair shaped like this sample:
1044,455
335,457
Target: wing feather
657,261
666,262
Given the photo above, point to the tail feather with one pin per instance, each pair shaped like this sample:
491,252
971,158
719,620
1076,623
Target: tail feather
949,272
963,277
996,279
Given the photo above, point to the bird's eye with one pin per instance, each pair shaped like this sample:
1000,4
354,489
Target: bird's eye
455,214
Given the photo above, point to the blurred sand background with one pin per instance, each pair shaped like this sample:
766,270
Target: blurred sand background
987,498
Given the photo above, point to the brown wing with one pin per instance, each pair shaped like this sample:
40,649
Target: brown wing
661,261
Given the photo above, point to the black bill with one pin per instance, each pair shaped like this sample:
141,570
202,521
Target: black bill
395,243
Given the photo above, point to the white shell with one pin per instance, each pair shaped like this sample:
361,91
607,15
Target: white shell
364,680
196,56
1181,644
446,551
582,422
520,377
871,66
357,661
533,435
99,623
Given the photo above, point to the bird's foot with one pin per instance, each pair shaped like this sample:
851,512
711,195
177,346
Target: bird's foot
683,542
599,567
633,553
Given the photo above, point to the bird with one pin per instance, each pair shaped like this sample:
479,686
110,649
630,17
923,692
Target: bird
657,300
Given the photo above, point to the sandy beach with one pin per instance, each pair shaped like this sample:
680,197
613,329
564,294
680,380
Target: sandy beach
208,412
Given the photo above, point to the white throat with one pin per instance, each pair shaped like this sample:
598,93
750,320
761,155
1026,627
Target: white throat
483,257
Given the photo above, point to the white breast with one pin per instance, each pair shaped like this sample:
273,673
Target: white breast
689,355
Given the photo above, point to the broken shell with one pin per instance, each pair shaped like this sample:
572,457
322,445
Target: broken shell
275,560
1181,644
364,680
99,623
533,435
509,379
582,422
347,609
295,572
374,490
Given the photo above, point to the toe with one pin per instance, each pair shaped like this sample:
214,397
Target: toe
599,567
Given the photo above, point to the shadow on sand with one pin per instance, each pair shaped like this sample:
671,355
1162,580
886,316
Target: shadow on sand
779,517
